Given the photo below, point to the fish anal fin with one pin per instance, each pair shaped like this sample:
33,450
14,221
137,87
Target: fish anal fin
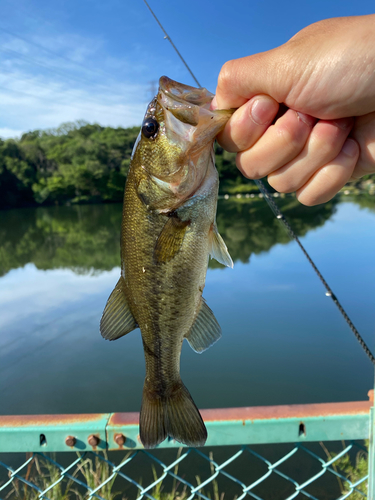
205,330
117,319
217,248
170,239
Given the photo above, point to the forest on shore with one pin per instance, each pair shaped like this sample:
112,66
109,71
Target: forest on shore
79,163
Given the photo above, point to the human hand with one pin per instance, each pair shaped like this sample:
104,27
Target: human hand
325,75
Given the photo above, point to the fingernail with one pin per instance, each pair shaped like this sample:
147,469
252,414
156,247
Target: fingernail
343,122
309,120
263,110
350,147
213,103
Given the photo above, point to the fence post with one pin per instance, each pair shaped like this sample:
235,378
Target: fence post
371,455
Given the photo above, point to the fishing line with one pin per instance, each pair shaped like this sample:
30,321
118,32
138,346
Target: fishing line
280,216
275,209
167,37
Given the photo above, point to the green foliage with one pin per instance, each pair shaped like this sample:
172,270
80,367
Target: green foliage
98,475
98,472
77,163
42,474
86,238
354,468
81,163
248,226
86,163
82,238
45,474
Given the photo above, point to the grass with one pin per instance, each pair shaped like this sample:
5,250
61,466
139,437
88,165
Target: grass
97,474
353,469
42,474
93,471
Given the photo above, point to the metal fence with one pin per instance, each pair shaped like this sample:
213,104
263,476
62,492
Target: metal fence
248,453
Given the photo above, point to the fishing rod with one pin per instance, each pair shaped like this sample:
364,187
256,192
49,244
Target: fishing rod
280,216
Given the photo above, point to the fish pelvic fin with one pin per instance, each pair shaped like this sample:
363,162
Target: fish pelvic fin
205,330
117,319
217,247
174,416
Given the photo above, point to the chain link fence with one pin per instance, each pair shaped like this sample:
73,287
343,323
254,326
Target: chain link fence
194,473
266,467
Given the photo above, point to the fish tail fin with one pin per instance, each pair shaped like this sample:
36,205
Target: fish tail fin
174,416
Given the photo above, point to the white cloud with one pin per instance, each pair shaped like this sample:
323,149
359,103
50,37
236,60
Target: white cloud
39,90
35,102
31,294
6,132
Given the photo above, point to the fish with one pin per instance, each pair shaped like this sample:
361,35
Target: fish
168,232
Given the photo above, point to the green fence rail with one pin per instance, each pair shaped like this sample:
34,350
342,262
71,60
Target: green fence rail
267,452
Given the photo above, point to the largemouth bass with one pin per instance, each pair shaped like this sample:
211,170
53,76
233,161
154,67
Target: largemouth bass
168,232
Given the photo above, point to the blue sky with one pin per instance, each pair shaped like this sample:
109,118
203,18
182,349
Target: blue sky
99,61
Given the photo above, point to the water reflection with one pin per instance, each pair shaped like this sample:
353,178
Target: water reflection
283,341
249,226
365,200
81,238
86,239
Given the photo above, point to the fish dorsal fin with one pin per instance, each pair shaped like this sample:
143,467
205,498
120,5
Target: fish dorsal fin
170,239
217,248
117,319
205,330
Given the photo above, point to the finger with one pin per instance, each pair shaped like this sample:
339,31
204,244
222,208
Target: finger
248,123
241,79
278,145
364,133
328,180
323,145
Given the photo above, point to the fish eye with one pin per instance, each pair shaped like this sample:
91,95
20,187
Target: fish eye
150,128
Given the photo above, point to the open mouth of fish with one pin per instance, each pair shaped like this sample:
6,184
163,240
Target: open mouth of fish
192,125
186,104
188,109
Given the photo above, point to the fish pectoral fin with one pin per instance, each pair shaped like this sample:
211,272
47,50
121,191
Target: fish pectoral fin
170,239
205,330
217,248
117,319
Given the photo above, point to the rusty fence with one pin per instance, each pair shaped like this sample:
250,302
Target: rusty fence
318,451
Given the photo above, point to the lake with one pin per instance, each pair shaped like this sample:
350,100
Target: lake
284,341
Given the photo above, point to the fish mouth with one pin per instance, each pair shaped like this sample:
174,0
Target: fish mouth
182,100
190,124
190,107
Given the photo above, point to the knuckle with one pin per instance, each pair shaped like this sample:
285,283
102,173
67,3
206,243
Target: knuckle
328,148
329,140
362,168
327,176
292,138
226,75
308,199
281,185
247,168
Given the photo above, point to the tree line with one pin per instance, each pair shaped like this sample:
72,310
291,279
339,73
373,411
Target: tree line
77,163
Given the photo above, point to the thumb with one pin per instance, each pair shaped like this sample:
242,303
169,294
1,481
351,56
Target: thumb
241,79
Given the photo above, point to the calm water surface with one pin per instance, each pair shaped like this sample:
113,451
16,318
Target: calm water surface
283,339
